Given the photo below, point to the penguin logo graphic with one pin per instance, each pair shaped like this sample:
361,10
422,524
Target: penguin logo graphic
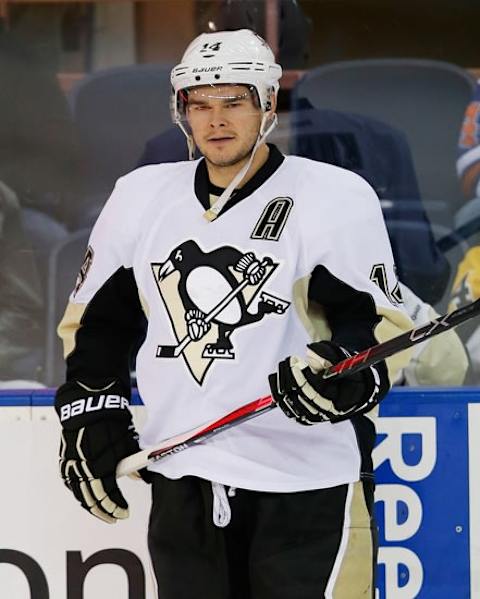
208,296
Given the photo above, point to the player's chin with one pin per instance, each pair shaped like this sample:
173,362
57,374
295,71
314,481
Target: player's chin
227,158
222,158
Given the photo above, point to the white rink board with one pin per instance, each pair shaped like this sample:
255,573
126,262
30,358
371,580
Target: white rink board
428,493
41,519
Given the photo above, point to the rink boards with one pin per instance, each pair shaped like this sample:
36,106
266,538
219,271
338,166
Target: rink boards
427,462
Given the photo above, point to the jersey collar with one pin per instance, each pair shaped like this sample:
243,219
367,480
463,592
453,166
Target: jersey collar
203,187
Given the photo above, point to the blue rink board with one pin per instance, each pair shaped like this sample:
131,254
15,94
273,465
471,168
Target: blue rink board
441,543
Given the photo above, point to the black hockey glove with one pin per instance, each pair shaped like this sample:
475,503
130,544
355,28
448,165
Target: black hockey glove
97,433
302,393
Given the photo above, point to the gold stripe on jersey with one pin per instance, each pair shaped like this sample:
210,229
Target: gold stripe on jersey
99,333
69,325
393,323
144,304
311,314
355,575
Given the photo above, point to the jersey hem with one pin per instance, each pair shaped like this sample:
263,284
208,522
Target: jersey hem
251,485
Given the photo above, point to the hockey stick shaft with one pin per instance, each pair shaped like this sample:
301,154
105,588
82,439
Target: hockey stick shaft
180,442
359,361
381,351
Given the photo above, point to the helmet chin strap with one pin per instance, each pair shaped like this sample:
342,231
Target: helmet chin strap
190,142
216,208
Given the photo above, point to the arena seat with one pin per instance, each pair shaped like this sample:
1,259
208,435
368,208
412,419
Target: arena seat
115,112
424,99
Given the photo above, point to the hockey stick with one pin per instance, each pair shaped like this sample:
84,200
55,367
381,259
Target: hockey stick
357,362
173,351
192,437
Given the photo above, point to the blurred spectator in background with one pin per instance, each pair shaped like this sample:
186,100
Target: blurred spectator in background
467,219
466,285
468,162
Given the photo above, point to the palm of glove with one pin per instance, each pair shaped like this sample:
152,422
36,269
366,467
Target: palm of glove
302,393
88,459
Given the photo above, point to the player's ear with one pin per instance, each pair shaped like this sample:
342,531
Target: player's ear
271,105
270,113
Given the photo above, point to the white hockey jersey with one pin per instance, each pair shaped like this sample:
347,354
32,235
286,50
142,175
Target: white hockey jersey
301,253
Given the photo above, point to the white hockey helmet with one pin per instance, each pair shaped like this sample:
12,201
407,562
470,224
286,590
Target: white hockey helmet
227,57
241,57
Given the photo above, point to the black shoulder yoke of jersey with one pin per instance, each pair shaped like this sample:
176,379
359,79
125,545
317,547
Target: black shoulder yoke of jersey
203,187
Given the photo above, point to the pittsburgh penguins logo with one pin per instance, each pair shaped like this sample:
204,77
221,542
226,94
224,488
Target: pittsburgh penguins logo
208,296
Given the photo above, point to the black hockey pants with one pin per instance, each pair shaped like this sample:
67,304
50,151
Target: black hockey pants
303,545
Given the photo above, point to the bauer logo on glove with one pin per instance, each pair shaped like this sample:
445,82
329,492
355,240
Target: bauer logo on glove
97,433
302,393
93,403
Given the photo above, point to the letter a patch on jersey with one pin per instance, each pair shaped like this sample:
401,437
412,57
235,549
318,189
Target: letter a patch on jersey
273,219
208,296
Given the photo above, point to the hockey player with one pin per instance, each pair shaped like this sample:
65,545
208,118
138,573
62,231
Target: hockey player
237,260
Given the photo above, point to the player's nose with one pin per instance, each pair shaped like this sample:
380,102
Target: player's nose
218,117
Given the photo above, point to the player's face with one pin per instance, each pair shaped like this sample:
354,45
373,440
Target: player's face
225,121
